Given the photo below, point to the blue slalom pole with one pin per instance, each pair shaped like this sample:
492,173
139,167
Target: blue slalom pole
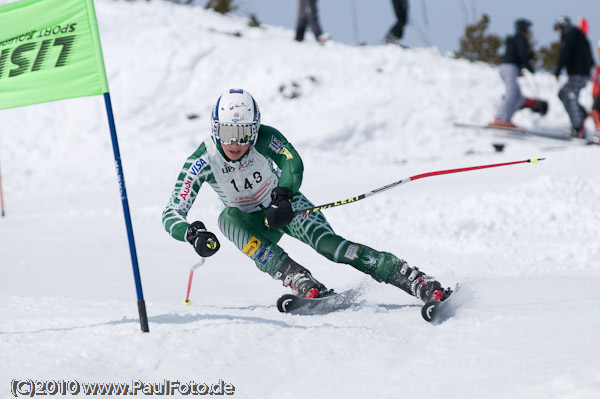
134,260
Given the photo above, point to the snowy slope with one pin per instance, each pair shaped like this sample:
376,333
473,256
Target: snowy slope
523,239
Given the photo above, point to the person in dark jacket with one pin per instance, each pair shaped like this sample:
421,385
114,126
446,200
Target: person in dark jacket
517,56
396,32
576,56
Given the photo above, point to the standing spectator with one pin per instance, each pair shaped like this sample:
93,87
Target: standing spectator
516,57
596,95
576,56
396,32
307,13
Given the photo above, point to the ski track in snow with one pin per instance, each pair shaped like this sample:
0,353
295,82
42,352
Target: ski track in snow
522,239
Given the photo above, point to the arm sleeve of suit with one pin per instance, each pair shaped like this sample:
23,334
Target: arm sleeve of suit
525,54
190,179
565,53
272,144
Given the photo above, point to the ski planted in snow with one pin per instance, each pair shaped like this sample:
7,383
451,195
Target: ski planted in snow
523,132
437,312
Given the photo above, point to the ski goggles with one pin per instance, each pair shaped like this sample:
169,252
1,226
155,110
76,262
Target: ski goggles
241,134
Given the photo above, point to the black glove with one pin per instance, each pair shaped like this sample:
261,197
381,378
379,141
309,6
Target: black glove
205,243
279,213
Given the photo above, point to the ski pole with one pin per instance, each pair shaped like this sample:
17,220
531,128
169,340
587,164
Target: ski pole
308,211
187,301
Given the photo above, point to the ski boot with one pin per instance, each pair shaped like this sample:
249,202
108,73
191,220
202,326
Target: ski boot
503,124
535,105
299,279
578,133
416,283
596,117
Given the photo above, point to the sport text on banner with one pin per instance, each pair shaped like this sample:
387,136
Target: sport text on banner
49,50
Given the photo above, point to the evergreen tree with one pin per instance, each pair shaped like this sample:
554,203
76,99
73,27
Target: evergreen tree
221,6
476,45
548,57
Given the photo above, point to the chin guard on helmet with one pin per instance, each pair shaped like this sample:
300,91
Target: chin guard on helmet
235,117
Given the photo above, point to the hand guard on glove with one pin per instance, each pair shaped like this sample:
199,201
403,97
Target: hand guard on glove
204,242
280,212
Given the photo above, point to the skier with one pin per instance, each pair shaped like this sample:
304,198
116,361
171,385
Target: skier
396,32
576,56
307,13
257,174
516,57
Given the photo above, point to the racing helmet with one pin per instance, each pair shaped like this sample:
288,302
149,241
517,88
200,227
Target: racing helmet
235,117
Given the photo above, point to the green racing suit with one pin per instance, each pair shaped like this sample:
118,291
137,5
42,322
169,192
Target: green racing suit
244,186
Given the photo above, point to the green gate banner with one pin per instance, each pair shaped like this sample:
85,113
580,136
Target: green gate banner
49,50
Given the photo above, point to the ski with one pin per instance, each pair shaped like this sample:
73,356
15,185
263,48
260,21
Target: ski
523,132
436,312
330,302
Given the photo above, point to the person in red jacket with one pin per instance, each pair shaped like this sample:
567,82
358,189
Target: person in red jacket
596,93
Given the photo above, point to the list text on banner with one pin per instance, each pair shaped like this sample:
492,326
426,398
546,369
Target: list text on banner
49,50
